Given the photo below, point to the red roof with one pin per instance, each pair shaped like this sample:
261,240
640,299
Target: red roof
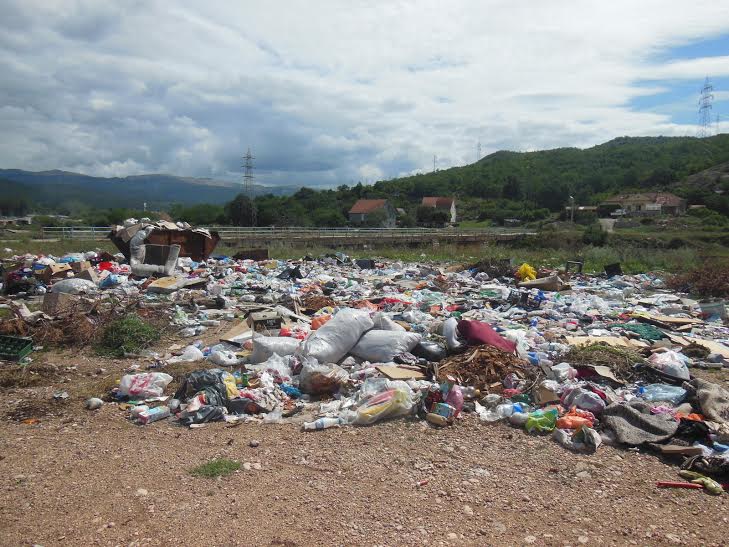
438,203
364,206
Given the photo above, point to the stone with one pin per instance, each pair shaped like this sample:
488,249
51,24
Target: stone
254,443
142,492
468,510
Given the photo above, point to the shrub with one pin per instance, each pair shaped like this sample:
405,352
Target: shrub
128,334
594,235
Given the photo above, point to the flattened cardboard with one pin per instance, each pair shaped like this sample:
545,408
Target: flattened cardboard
393,372
614,341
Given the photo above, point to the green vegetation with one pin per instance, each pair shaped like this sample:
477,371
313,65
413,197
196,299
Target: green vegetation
219,467
128,334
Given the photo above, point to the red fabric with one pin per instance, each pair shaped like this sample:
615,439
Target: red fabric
477,333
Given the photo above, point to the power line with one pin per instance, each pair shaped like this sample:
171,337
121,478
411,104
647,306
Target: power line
248,188
705,104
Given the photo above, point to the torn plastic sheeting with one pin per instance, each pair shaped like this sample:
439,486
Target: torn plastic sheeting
391,403
144,384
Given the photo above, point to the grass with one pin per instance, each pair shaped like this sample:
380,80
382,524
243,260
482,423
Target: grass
127,334
28,242
219,467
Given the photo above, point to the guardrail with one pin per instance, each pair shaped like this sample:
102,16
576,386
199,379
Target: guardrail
295,232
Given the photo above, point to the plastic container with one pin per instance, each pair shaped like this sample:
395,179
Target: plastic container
715,308
322,423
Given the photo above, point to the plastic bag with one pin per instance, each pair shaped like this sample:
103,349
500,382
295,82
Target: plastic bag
541,421
333,340
73,286
317,379
224,358
671,363
265,346
584,399
277,366
450,333
381,346
663,392
144,385
189,355
388,404
526,272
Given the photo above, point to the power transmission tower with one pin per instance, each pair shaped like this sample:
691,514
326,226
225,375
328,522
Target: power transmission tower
248,188
435,162
478,151
705,103
717,123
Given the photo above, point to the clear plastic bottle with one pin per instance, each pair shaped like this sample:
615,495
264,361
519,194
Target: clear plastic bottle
322,423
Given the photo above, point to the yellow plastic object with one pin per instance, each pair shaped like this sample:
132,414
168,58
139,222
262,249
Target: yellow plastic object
526,272
230,386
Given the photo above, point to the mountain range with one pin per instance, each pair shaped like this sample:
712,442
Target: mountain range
157,190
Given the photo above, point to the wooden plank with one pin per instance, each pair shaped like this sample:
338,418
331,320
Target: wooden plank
394,372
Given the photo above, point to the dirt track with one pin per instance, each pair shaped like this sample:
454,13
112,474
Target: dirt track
87,478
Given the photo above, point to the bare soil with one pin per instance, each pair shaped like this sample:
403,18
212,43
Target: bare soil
74,477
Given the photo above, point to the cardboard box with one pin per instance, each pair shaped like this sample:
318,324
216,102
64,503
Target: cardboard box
52,272
79,267
264,321
90,275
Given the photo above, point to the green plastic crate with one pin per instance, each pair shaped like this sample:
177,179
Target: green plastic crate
14,348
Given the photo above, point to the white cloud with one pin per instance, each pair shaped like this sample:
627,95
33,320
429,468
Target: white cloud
331,92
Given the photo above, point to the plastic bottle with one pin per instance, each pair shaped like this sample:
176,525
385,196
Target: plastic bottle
153,415
322,423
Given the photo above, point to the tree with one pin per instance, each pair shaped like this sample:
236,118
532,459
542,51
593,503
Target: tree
512,189
240,211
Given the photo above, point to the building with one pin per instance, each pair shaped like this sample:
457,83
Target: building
364,209
443,204
646,204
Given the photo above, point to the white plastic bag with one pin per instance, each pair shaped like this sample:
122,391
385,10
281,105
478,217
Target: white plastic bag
277,366
74,286
265,346
671,363
189,355
381,346
223,357
144,385
336,337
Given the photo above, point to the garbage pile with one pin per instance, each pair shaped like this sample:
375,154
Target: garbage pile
332,342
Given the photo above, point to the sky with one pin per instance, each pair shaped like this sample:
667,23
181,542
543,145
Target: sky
335,92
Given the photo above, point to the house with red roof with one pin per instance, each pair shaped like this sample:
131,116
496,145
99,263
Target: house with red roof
443,204
364,210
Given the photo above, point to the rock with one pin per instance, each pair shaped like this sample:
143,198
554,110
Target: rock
94,403
583,475
530,539
583,539
468,510
141,492
256,466
452,536
499,527
254,443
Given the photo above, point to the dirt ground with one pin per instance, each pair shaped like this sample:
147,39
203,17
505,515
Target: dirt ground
78,477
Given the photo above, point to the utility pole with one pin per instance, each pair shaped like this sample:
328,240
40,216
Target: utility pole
572,209
705,104
248,188
435,161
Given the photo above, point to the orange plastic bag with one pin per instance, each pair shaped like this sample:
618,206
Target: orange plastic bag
575,418
319,321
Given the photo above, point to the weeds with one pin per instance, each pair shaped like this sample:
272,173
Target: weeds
711,279
128,334
220,467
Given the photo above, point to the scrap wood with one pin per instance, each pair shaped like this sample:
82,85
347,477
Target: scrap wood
483,367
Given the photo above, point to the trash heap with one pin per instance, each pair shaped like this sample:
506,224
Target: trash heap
331,342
